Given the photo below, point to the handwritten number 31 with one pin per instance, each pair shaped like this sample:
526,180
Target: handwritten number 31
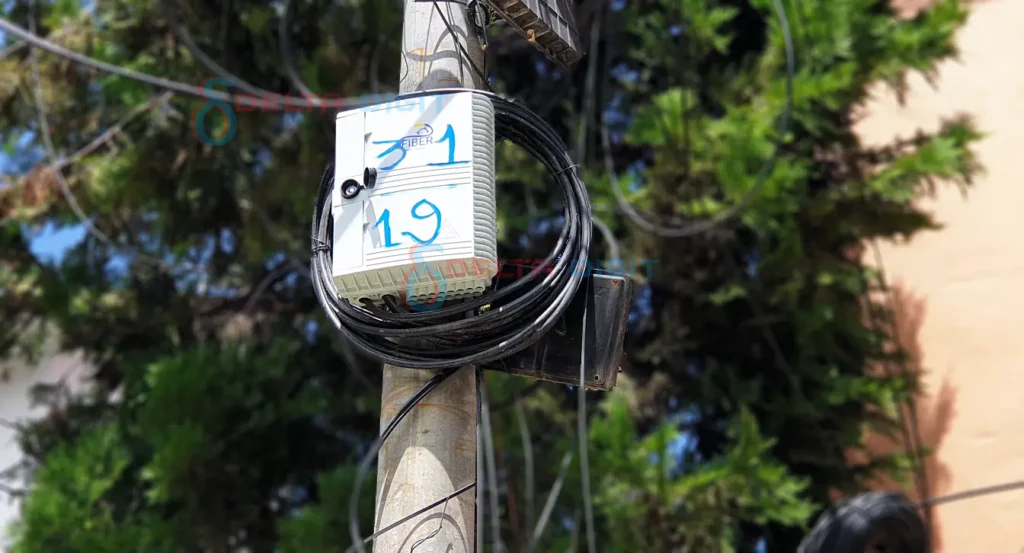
385,220
399,146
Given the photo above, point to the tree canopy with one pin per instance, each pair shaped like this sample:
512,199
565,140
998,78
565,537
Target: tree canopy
227,415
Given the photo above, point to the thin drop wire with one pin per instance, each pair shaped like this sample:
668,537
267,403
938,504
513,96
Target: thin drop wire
591,84
701,226
455,39
581,140
492,471
614,250
279,102
414,514
51,151
65,188
524,436
211,65
581,426
973,493
440,525
483,32
262,287
17,46
549,505
288,56
272,229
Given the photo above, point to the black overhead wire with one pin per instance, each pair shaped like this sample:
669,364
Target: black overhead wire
972,493
416,513
274,231
646,222
268,102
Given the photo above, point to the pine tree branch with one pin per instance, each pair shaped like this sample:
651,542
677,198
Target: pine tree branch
111,132
92,146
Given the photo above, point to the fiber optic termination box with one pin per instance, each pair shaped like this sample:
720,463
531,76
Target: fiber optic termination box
413,204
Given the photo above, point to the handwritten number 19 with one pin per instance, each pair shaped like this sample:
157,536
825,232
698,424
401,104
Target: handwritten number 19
434,211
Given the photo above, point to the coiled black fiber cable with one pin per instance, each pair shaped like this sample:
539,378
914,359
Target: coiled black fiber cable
518,315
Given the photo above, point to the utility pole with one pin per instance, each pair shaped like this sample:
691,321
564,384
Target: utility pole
433,451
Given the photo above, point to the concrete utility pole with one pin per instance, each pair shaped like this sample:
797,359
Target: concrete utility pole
433,452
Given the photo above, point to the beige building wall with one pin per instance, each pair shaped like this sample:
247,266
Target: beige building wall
959,290
16,379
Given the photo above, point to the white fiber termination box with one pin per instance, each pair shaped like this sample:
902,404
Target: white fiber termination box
424,227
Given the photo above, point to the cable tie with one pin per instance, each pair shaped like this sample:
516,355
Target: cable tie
320,246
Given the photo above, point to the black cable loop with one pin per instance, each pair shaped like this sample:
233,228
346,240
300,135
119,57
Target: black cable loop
519,314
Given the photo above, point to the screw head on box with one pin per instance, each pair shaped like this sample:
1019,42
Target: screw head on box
350,189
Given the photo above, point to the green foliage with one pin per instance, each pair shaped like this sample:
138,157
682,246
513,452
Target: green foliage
226,416
180,452
320,528
691,504
71,509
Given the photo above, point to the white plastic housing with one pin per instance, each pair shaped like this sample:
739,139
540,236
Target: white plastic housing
427,231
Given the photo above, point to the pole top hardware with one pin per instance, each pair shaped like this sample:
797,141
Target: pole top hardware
549,25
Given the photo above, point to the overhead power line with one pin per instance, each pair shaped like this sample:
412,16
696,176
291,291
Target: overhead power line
266,102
